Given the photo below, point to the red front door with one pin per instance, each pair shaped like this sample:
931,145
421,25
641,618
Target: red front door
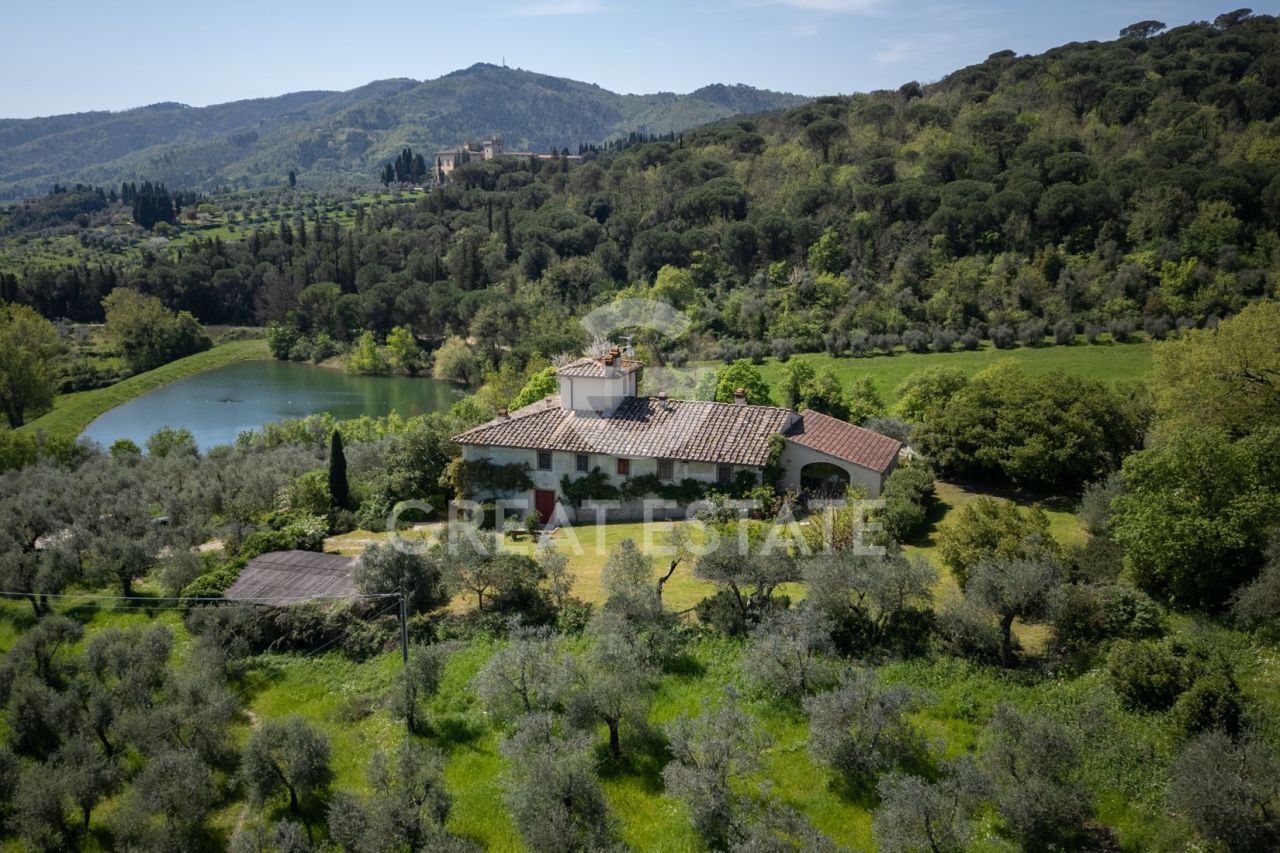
544,501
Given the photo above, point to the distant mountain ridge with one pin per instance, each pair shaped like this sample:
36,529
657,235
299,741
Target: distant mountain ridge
332,136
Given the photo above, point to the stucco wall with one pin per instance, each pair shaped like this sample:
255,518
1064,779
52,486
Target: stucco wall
566,463
796,456
586,394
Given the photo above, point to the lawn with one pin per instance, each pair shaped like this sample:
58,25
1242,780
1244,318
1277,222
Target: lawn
1108,362
588,545
71,413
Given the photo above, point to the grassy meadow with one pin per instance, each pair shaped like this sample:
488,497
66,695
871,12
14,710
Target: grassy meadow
1105,361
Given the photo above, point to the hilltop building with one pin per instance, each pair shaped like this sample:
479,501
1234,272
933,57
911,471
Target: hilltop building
599,420
491,148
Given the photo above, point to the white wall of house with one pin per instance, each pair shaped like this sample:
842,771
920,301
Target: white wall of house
563,464
588,394
796,456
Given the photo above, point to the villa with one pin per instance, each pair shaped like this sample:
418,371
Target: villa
490,149
599,420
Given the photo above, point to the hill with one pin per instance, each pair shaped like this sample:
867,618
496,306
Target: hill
331,135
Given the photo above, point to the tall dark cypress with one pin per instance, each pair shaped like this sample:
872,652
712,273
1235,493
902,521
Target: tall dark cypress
339,489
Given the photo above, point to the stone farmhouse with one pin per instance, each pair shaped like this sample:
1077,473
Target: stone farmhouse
599,419
491,148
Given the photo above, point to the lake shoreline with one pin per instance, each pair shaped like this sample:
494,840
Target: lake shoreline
218,406
72,413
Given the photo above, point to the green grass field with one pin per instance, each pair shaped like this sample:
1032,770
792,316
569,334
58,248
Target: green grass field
71,413
1108,362
1127,756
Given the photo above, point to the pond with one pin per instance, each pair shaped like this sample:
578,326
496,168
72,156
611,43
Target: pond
219,404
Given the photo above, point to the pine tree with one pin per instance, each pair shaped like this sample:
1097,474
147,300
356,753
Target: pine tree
339,488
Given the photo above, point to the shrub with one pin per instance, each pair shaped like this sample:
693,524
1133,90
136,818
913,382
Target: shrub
1147,675
1031,333
213,584
915,340
1064,333
1212,702
968,631
908,494
1002,337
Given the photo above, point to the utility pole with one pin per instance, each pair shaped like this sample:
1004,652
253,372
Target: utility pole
404,629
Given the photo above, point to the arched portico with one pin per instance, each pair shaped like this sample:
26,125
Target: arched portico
824,480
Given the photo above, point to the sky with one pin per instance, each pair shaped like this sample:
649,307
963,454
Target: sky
58,56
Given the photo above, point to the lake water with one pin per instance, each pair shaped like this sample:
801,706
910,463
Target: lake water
219,404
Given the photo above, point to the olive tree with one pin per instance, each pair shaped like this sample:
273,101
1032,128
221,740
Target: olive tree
789,654
551,789
176,787
35,518
286,753
935,815
708,752
527,675
1032,763
419,682
860,727
613,680
872,601
1013,589
406,809
86,775
285,837
39,813
384,569
1229,790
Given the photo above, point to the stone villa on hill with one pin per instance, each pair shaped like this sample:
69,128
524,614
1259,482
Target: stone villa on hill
491,148
599,419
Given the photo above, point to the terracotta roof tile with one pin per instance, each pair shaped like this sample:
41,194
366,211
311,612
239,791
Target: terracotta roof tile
690,430
845,441
592,368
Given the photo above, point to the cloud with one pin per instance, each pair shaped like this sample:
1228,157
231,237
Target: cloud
558,7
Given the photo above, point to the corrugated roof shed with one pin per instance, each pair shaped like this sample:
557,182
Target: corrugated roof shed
285,577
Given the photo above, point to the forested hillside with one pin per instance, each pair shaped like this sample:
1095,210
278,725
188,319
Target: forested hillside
1099,186
338,136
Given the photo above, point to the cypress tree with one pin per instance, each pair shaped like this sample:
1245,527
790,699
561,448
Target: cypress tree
339,489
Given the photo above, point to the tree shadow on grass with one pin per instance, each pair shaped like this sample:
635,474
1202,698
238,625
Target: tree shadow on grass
857,790
684,664
644,754
251,677
1021,496
453,731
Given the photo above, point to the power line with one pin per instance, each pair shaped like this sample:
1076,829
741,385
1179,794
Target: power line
294,599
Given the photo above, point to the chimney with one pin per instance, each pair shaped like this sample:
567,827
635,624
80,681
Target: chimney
739,396
662,401
502,414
